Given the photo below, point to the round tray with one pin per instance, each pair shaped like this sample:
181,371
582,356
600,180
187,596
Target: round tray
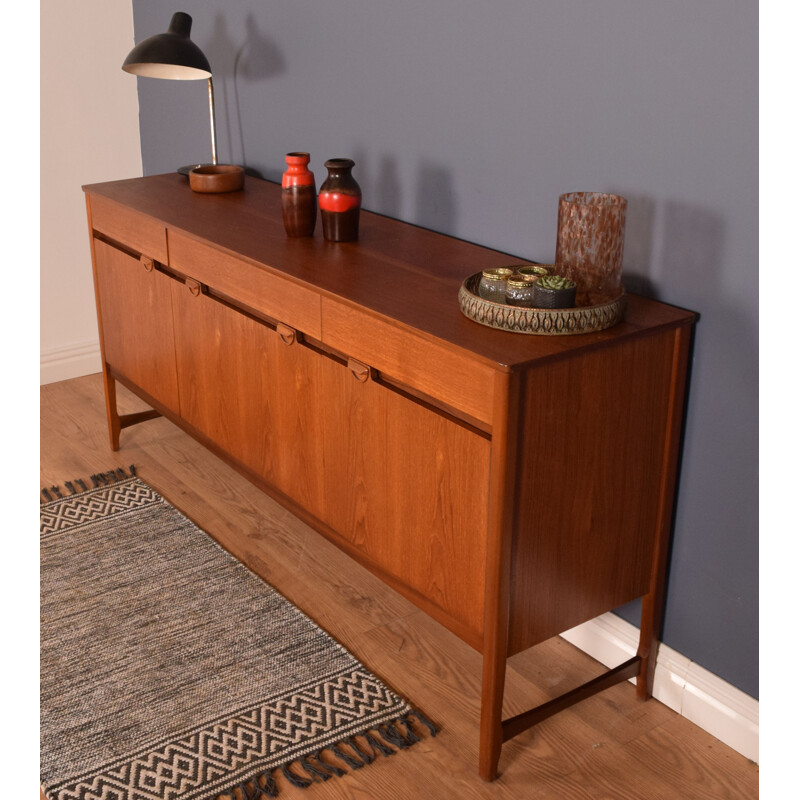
541,321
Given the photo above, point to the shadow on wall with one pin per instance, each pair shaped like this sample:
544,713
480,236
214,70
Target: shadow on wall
692,249
388,195
436,205
671,245
677,252
638,251
382,193
256,59
435,198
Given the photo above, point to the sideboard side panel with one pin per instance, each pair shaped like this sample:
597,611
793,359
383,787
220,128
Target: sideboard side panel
593,433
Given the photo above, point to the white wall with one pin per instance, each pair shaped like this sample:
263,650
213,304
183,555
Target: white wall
89,133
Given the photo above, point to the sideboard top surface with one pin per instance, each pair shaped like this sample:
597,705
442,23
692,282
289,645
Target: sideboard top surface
405,273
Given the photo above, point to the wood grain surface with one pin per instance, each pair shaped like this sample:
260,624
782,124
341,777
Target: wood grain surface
350,452
407,274
136,310
599,424
610,747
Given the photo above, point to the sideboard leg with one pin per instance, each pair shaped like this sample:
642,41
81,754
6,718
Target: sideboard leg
114,425
505,423
653,602
491,741
649,640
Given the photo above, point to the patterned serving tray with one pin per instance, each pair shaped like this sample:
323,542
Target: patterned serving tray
541,321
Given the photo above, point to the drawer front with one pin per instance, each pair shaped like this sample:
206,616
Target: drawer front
140,233
433,369
278,298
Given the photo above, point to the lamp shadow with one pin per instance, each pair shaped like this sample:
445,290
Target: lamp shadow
259,57
254,60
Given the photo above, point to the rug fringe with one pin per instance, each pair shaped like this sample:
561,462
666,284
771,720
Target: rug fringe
51,493
380,740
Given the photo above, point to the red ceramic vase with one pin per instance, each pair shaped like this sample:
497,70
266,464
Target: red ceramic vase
298,196
340,202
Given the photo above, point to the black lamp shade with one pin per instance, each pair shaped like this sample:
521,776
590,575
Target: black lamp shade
169,55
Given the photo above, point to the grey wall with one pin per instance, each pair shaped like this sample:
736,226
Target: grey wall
471,118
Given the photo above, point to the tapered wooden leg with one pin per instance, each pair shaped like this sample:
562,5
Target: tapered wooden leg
114,425
494,678
498,556
649,640
653,601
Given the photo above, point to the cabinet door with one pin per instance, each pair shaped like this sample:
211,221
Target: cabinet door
407,486
437,490
136,318
248,392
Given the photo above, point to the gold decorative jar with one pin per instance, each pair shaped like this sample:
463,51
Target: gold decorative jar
492,284
520,290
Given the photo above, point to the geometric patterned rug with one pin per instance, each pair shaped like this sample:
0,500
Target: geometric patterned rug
169,670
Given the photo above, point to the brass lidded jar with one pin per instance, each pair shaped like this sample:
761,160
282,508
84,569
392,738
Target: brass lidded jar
537,270
492,285
520,289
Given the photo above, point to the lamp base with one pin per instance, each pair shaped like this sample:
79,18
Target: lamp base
216,178
189,167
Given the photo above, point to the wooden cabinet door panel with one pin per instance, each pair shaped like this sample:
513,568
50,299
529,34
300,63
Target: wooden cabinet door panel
354,457
247,391
408,488
136,317
437,499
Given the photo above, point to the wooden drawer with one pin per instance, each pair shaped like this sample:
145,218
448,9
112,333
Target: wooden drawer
140,233
446,375
278,298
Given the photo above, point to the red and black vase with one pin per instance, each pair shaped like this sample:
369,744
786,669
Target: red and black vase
340,202
298,196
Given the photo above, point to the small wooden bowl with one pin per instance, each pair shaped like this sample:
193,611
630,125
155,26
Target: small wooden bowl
215,178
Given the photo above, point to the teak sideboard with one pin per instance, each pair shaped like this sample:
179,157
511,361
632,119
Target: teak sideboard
512,486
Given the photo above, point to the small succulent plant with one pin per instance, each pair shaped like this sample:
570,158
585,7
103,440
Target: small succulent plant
555,282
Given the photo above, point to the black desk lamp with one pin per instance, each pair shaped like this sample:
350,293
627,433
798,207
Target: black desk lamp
175,56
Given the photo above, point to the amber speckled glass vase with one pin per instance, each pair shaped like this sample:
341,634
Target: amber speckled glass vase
591,236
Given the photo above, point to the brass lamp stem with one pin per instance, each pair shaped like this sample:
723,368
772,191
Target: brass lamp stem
213,124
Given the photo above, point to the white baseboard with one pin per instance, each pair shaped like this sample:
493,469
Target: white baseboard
725,712
72,361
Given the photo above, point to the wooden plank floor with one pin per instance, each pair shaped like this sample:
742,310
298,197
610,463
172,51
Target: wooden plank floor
611,746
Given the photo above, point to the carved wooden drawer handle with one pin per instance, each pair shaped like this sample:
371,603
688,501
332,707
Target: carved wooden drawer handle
288,335
147,263
361,372
194,287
